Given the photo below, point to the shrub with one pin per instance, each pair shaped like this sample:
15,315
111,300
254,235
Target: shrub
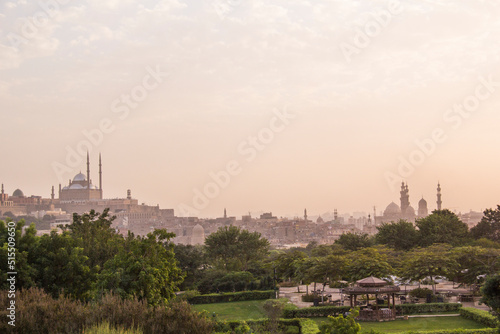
481,316
309,298
309,326
261,325
455,331
405,309
318,311
231,297
420,292
105,328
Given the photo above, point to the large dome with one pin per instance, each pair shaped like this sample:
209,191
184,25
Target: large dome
392,209
18,193
410,211
422,203
76,186
79,177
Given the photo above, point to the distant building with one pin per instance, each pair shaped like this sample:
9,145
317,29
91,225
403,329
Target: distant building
81,187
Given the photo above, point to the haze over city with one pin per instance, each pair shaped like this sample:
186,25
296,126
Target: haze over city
259,106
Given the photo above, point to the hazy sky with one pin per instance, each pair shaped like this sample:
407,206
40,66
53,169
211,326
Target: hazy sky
308,104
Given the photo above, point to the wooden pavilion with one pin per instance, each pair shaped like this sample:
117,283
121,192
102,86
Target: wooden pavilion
373,286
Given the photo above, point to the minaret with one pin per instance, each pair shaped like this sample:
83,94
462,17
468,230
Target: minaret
305,214
100,175
225,215
52,195
335,215
88,171
374,214
3,194
439,202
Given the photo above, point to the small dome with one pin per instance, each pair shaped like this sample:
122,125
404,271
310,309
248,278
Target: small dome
422,203
320,220
65,188
410,210
392,208
76,186
79,177
18,193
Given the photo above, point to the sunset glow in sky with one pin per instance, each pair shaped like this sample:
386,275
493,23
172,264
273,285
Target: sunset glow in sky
265,105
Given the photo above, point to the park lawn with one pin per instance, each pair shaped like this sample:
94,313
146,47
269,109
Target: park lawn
417,324
251,309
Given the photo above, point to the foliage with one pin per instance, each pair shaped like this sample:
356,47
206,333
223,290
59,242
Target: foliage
476,261
105,328
489,226
400,235
341,324
368,262
429,262
274,310
420,292
455,331
192,262
38,313
354,241
491,292
309,326
223,281
259,326
315,311
231,297
145,267
231,248
481,316
442,226
406,309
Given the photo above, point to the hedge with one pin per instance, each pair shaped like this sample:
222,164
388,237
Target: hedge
316,311
456,331
286,324
231,297
481,316
404,309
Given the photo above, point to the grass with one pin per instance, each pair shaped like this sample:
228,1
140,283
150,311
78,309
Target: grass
417,324
252,309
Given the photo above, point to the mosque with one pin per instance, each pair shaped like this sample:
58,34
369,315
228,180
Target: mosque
81,187
394,212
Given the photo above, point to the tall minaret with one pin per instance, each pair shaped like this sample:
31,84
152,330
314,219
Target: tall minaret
52,195
100,175
88,171
305,214
1,199
439,202
374,214
335,215
405,198
225,215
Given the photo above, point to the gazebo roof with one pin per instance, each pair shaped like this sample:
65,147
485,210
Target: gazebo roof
371,281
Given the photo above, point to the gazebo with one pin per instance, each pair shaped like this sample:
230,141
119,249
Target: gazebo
373,286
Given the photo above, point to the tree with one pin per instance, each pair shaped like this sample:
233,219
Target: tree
429,262
231,248
475,262
489,226
330,268
341,324
368,262
192,262
145,267
491,293
354,241
401,235
442,226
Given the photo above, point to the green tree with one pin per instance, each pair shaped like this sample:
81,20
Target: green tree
489,226
432,261
368,262
231,248
192,262
354,241
62,267
400,235
476,261
442,226
491,293
145,267
330,268
341,324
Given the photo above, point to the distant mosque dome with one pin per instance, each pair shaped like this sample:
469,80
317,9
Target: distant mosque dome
320,220
392,209
76,186
198,235
79,177
18,193
422,203
410,211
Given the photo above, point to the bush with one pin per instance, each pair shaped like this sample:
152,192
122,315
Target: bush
455,331
313,312
481,316
261,325
420,292
39,313
309,298
105,328
405,309
231,297
309,326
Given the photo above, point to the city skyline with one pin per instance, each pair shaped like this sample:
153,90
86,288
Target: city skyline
263,106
